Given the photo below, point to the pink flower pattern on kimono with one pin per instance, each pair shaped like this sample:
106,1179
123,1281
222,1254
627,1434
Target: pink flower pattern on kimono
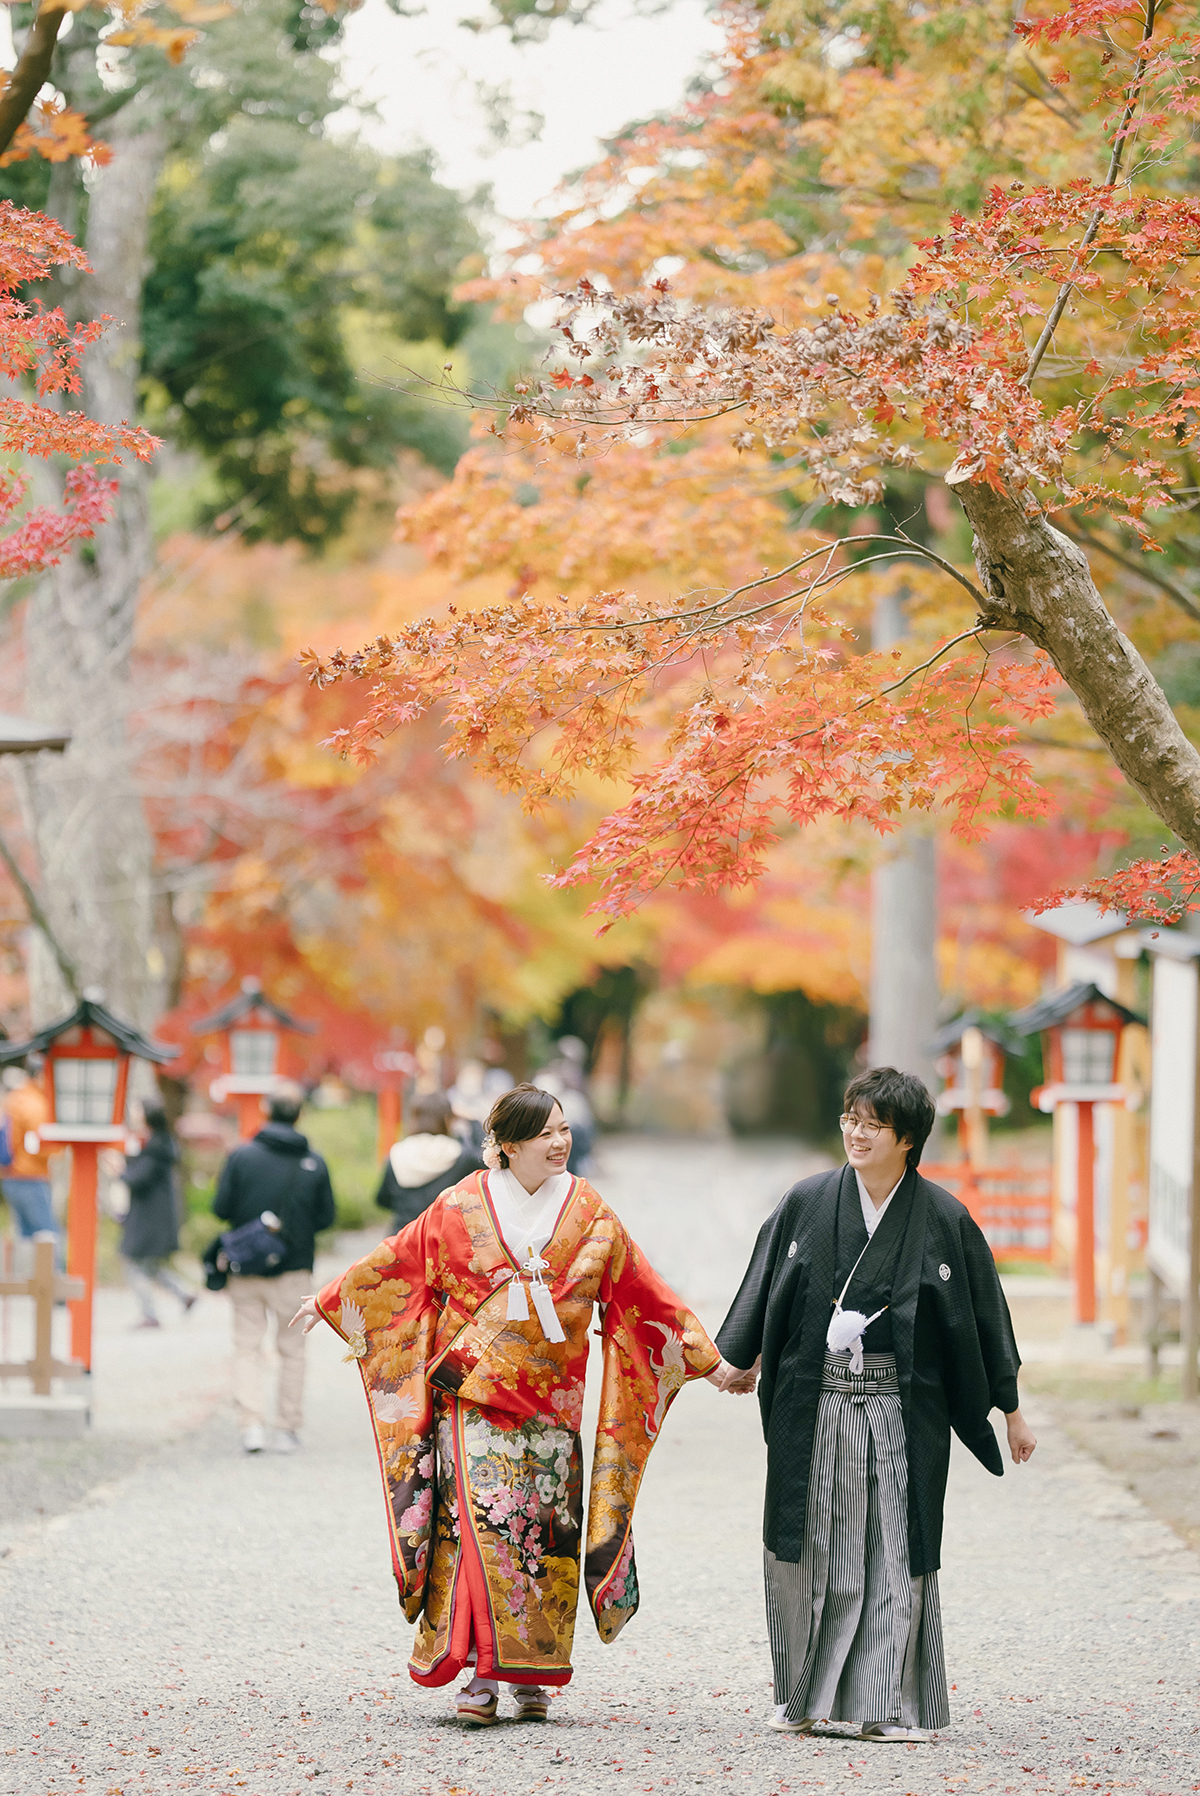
417,1514
621,1591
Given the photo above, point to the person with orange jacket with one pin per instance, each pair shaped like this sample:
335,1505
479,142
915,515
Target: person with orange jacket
25,1181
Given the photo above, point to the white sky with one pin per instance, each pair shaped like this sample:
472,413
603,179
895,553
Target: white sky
586,80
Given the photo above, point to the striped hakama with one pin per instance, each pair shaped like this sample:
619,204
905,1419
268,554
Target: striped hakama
854,1637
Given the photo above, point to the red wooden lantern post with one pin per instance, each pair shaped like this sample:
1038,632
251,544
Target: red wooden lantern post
86,1077
392,1067
254,1051
1081,1034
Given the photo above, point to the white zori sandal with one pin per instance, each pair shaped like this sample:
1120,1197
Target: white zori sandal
891,1730
779,1722
478,1707
533,1703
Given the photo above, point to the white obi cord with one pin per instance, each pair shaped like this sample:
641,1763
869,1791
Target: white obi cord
543,1303
847,1327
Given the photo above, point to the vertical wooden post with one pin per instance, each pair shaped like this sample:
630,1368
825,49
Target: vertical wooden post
81,1240
1153,1323
1085,1217
389,1111
249,1114
41,1287
7,1273
1189,1308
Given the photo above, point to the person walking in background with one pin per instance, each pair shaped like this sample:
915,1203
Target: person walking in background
25,1181
873,1309
425,1163
277,1173
150,1234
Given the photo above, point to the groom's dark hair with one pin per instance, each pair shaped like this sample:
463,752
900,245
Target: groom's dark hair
898,1099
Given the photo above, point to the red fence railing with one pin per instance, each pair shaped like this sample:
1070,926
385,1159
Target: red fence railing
1011,1204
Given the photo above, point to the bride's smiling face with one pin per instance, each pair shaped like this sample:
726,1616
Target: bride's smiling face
533,1162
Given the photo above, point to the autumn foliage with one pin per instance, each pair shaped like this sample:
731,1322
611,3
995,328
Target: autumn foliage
38,346
947,251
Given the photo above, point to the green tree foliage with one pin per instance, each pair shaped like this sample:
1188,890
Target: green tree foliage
269,247
278,250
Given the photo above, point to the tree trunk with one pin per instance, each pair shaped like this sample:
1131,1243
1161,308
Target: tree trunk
1038,582
904,986
94,843
904,993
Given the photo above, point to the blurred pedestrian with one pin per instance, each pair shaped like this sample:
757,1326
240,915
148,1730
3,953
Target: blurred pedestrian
424,1163
151,1229
566,1077
275,1176
25,1181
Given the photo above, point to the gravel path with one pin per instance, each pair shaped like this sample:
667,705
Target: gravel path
213,1623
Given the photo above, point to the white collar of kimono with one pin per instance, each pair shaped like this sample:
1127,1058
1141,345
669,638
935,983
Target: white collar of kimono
872,1216
526,1221
526,1218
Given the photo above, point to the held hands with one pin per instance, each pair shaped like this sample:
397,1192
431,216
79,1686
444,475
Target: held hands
729,1378
1021,1438
312,1315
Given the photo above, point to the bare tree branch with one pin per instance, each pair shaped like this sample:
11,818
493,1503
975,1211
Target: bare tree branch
32,70
39,919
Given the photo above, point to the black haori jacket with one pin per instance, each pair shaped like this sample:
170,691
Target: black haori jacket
951,1334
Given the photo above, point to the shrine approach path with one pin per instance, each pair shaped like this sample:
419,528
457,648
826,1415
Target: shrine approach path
211,1622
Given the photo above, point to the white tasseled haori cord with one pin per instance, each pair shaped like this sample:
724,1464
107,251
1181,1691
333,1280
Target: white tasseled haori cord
543,1303
847,1327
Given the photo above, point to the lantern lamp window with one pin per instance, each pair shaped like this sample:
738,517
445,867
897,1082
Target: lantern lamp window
1088,1056
84,1090
253,1053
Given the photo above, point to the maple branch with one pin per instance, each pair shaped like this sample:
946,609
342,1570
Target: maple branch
1114,169
1040,584
1179,594
32,70
910,547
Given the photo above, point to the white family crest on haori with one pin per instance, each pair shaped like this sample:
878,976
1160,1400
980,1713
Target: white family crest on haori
792,1251
670,1372
943,1272
354,1327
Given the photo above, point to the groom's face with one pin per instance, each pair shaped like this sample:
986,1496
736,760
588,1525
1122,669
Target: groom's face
871,1145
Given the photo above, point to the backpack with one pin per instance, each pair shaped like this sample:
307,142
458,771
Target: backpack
255,1250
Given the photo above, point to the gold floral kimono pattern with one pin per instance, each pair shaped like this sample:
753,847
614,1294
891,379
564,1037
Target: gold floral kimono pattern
477,1422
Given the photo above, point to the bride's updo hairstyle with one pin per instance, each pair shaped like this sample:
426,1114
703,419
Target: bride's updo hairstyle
517,1115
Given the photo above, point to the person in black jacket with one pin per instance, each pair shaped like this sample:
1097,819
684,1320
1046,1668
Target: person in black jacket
277,1175
150,1234
874,1312
426,1162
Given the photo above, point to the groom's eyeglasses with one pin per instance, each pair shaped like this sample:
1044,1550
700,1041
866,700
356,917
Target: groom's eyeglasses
866,1124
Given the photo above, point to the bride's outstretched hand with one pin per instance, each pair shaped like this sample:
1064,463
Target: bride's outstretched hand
312,1315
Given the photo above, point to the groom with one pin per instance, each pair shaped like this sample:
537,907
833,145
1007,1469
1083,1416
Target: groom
873,1313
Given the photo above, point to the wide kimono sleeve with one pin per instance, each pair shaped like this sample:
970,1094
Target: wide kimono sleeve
385,1310
652,1345
740,1336
993,1323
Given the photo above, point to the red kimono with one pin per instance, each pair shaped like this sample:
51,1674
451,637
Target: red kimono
477,1422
